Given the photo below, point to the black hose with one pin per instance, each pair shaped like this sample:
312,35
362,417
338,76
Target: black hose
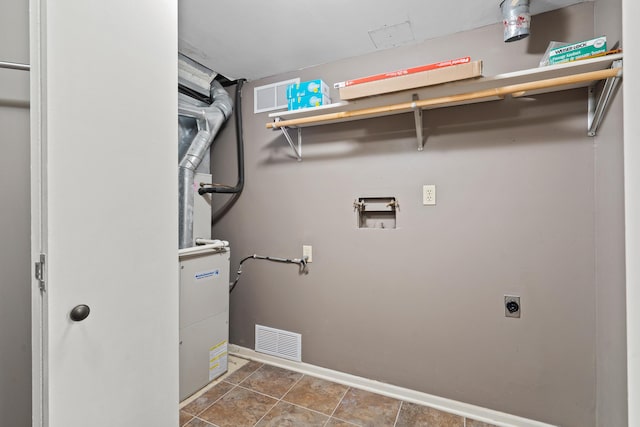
240,150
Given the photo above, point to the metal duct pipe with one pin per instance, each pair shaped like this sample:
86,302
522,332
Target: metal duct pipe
209,120
516,19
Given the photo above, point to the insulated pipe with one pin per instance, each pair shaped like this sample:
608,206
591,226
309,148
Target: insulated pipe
215,242
210,120
203,248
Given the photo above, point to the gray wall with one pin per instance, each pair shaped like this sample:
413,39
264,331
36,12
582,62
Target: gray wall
611,409
15,301
421,306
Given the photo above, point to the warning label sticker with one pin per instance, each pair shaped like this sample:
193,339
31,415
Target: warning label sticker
218,359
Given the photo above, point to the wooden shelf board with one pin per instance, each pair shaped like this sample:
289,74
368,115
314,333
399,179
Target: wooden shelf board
376,103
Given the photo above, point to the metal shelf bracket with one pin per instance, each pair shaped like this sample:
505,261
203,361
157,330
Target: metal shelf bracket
598,106
417,114
297,150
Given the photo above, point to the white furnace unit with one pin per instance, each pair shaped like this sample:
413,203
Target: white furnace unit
204,316
204,263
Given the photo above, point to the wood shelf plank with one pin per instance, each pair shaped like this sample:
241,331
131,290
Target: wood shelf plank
537,80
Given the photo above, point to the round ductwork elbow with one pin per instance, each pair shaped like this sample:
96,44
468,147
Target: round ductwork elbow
516,19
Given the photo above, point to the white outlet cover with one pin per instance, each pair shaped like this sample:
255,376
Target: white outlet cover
429,194
307,251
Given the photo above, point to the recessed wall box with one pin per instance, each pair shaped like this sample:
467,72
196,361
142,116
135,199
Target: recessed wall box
376,212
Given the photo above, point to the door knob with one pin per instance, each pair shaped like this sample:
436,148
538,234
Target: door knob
79,312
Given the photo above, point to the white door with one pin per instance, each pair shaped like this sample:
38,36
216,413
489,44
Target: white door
104,193
631,91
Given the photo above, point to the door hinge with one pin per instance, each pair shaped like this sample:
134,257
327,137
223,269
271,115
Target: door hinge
39,271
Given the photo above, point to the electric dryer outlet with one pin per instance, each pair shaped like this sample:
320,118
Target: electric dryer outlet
512,307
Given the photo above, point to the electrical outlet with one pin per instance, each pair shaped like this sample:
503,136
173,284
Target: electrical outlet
429,194
307,251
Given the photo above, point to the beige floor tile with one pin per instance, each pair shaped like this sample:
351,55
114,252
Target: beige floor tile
334,422
367,409
287,415
242,373
416,415
317,394
475,423
207,399
271,380
198,423
184,418
238,408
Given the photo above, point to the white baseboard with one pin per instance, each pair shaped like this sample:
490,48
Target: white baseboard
459,408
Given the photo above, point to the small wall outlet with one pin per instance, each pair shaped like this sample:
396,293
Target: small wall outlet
307,251
512,307
429,194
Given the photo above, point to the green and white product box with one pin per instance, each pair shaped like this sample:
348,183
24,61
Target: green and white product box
579,50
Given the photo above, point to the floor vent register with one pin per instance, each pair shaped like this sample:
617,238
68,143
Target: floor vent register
277,342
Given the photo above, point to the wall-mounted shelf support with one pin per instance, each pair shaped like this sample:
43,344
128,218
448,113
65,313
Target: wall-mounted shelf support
417,113
598,107
297,150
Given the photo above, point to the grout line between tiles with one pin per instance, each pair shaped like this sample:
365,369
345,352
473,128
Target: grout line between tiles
265,414
398,414
203,420
338,405
351,423
305,408
251,374
218,399
257,392
294,384
262,365
278,400
216,381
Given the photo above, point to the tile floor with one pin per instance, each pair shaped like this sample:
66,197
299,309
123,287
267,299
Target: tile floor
261,395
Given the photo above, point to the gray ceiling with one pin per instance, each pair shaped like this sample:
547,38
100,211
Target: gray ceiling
260,38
